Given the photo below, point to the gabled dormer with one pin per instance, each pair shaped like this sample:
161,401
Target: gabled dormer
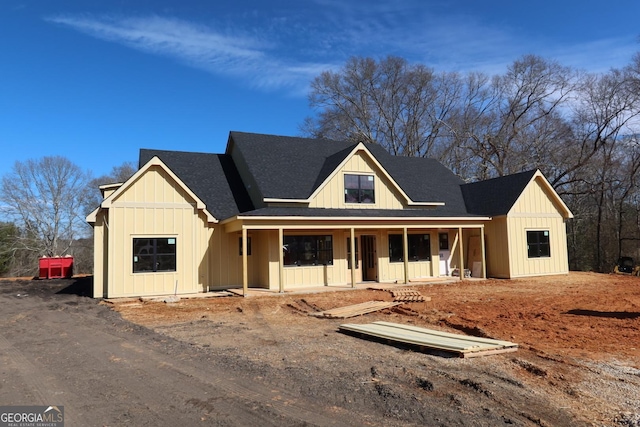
317,173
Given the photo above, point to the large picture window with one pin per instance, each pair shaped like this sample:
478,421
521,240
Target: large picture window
359,189
154,254
538,244
419,247
308,250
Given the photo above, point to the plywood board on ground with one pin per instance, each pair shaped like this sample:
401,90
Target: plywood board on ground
428,339
355,310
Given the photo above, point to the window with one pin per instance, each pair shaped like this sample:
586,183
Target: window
395,248
248,245
308,250
538,244
359,189
419,247
349,253
154,254
444,241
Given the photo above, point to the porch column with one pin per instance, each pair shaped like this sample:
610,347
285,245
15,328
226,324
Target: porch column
245,275
280,260
461,254
484,261
405,258
352,243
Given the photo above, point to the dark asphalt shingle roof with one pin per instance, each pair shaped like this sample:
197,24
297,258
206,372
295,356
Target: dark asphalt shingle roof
293,168
287,167
495,196
212,177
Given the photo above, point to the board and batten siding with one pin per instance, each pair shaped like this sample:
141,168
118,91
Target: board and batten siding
331,195
535,211
100,255
497,248
155,206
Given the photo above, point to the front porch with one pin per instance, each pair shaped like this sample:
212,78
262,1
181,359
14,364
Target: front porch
311,255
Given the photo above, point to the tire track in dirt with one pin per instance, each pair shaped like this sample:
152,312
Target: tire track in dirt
36,380
162,380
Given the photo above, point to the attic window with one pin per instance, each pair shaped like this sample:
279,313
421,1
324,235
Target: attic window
359,189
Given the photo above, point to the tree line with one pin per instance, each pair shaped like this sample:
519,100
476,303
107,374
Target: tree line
580,129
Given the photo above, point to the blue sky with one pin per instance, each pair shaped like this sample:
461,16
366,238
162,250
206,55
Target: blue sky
97,80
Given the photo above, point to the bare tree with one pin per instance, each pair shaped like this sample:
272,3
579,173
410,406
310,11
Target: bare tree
118,174
45,198
605,109
8,232
401,106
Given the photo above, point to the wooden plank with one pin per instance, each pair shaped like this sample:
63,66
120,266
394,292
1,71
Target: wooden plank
411,298
355,310
382,287
471,354
446,334
422,338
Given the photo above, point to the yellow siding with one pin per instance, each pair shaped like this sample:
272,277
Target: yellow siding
534,200
497,248
225,263
155,206
521,264
535,210
332,194
100,253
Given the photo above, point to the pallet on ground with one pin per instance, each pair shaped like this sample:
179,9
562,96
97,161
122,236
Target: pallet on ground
408,295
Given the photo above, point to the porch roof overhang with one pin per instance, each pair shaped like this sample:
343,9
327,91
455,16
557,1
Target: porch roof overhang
309,218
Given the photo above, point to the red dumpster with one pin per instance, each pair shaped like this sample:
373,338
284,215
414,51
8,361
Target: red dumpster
56,267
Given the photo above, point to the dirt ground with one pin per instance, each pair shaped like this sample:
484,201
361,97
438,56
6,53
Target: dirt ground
264,361
579,356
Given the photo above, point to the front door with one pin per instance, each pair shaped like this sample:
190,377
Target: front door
369,258
445,253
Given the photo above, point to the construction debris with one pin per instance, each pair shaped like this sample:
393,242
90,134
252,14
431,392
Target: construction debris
408,295
355,310
429,340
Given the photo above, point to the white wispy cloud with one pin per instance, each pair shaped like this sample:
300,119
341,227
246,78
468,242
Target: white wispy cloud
284,49
199,46
444,37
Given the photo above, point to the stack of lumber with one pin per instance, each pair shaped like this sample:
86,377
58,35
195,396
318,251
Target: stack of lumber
429,340
355,310
408,295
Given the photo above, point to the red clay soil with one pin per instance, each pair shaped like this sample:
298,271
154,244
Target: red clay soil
580,314
578,361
